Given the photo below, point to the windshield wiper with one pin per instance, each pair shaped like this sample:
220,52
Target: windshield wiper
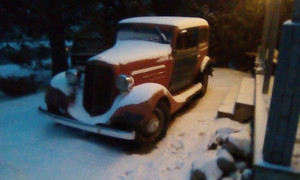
162,36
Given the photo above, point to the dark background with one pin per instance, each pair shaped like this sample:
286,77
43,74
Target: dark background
236,25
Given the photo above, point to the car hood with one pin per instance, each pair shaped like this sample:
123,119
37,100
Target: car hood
127,51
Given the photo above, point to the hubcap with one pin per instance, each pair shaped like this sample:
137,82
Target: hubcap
153,124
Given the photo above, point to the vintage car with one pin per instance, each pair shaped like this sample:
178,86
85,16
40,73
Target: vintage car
130,90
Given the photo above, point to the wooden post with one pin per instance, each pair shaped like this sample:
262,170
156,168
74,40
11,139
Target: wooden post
56,36
285,104
271,41
262,51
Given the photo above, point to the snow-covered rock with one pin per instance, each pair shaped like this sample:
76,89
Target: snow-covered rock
241,165
222,133
236,175
198,175
247,174
239,144
225,161
235,140
207,165
213,144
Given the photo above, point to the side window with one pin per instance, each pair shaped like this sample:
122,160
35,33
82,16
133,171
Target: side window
187,38
203,35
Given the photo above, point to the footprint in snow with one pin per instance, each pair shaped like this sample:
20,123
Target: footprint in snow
203,119
201,134
181,134
127,173
176,146
179,165
171,167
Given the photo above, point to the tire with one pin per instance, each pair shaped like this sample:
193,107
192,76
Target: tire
204,81
154,129
53,109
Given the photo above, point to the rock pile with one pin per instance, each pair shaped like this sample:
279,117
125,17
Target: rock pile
233,156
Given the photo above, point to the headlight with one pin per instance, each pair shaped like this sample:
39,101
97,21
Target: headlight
124,82
73,76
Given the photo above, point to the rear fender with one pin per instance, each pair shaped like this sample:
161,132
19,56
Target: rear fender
206,65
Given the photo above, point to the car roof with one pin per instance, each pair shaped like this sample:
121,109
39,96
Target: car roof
180,22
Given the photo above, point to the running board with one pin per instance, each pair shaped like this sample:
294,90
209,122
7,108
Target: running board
187,93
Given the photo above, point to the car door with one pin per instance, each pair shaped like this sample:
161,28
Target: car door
185,57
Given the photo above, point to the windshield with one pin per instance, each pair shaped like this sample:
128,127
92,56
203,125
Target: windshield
145,33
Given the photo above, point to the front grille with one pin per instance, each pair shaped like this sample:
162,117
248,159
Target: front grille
98,88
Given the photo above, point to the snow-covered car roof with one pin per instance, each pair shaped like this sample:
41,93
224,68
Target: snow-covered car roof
180,22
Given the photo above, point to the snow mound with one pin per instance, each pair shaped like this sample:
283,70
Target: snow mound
222,133
242,141
14,70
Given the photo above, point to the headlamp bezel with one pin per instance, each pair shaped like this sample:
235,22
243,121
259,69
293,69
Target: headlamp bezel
73,76
124,83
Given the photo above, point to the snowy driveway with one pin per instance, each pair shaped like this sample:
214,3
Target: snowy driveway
33,147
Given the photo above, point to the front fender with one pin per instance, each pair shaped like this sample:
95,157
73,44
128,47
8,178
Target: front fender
137,105
59,82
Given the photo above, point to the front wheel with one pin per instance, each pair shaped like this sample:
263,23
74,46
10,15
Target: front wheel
154,129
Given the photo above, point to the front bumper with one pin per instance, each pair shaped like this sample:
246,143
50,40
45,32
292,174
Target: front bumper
107,131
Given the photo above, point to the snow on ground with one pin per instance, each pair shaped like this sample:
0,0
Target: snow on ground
39,75
8,70
14,70
32,44
33,147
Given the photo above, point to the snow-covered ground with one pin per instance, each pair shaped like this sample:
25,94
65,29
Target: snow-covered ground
14,70
31,44
33,147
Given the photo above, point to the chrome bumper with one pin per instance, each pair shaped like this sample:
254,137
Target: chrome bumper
91,128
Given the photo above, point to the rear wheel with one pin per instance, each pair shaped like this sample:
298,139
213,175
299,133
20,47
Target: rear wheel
154,129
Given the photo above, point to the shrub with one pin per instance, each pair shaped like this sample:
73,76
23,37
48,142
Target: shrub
17,86
42,52
21,57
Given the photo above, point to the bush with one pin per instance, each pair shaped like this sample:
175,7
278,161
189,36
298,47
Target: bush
21,57
42,52
17,86
25,56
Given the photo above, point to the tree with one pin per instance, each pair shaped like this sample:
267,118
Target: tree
56,36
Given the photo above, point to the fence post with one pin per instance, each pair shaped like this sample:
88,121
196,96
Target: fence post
271,41
285,103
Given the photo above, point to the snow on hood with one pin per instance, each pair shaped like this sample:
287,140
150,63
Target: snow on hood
126,51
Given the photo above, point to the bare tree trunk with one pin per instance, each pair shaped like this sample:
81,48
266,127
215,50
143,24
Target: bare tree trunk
56,36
